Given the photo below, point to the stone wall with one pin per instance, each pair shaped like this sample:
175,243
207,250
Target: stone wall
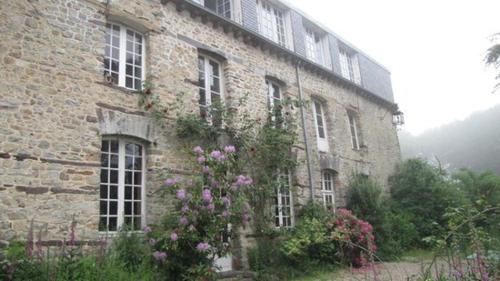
55,108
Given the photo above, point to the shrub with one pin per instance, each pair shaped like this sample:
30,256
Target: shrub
419,189
197,231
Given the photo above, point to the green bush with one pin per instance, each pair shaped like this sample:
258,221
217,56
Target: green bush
420,189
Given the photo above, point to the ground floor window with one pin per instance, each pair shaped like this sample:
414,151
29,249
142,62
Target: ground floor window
283,201
122,192
327,182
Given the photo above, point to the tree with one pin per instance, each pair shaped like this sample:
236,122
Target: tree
492,58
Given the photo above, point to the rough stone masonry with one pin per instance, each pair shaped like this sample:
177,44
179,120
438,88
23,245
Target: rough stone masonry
56,106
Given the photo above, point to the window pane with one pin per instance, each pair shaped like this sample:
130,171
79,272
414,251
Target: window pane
128,177
113,207
113,176
103,191
113,192
128,192
114,146
137,178
103,208
104,175
214,68
129,162
137,193
137,223
114,161
202,100
113,224
128,208
103,224
104,160
137,208
105,146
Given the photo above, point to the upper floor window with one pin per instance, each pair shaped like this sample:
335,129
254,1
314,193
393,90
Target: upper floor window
319,121
124,56
273,23
283,207
210,87
353,127
122,192
349,66
327,187
274,100
317,47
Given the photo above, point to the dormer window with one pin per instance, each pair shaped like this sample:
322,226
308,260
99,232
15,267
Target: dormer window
317,46
349,65
274,23
224,8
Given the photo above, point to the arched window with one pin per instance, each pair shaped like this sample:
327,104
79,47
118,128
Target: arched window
328,188
122,191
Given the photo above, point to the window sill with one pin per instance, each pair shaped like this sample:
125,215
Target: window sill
119,88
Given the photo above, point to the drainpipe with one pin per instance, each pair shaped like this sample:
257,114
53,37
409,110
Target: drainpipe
304,130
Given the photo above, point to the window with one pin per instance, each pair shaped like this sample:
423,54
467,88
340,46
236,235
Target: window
283,209
124,56
316,47
210,87
349,66
327,182
222,7
353,127
272,22
319,120
274,100
122,185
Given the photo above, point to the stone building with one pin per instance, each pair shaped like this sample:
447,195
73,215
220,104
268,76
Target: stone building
70,76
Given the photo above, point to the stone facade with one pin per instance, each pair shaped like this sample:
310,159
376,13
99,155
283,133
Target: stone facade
56,107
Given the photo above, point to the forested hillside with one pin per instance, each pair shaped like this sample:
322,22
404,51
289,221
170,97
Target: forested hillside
473,143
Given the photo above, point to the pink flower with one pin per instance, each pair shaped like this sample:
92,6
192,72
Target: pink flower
226,213
206,170
171,182
211,207
206,195
203,247
174,236
226,200
146,229
160,256
217,155
185,209
198,150
181,194
201,159
229,149
183,221
241,180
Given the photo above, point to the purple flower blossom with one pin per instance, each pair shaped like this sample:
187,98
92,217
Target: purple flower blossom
160,256
241,180
211,207
246,218
146,229
198,150
206,170
226,200
171,182
174,236
214,184
203,247
183,221
206,195
226,213
152,242
229,149
185,209
201,159
181,194
217,155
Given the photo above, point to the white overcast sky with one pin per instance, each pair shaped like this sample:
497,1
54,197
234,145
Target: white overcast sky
433,48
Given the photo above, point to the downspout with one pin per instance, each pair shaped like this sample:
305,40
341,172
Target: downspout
304,130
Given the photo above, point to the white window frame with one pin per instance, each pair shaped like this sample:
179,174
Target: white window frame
353,129
267,9
322,142
121,184
349,66
271,99
279,195
328,188
235,9
317,51
123,56
206,87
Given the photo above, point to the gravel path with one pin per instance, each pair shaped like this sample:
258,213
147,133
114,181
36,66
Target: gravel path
397,271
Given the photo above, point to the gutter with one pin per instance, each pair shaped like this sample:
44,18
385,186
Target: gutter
304,130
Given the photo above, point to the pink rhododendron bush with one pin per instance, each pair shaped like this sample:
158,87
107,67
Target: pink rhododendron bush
208,206
354,237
